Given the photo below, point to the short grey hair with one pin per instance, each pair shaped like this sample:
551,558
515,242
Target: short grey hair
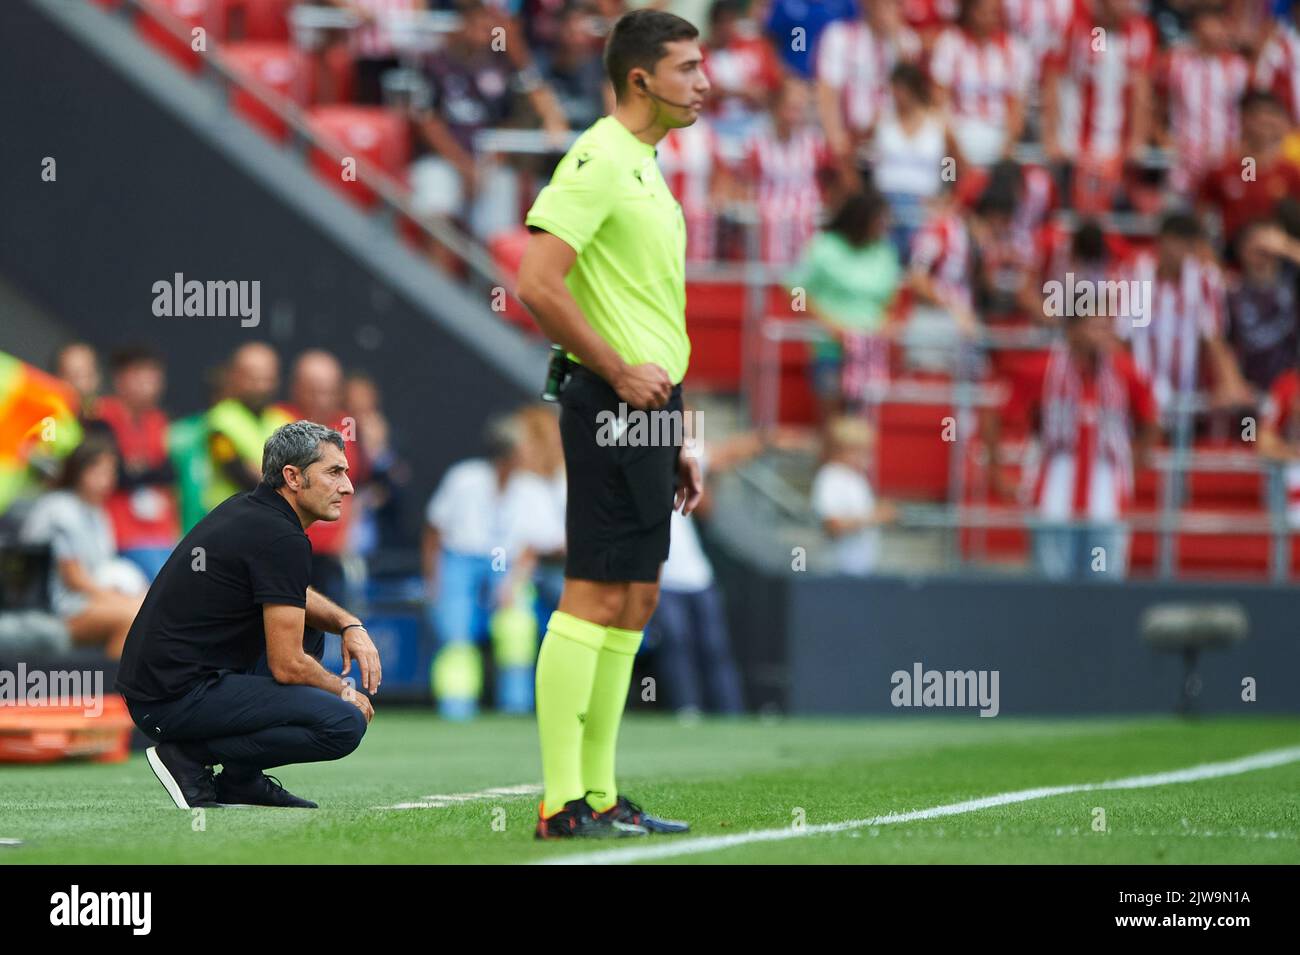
297,443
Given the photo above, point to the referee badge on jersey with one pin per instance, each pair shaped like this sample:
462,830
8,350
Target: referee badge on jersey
645,175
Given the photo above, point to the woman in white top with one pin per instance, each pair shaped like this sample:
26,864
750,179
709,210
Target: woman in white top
94,592
911,143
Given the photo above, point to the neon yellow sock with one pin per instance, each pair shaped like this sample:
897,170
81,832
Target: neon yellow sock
566,670
604,713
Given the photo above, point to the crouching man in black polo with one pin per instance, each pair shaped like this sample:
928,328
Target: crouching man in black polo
222,664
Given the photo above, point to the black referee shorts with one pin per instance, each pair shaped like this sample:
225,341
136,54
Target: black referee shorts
621,485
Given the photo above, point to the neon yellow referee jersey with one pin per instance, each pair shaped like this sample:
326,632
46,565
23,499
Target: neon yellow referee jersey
610,203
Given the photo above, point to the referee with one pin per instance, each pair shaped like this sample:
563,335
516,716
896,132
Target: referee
604,274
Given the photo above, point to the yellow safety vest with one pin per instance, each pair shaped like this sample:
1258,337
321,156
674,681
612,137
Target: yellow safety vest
245,430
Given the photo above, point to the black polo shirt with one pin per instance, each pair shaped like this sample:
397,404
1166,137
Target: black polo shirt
203,613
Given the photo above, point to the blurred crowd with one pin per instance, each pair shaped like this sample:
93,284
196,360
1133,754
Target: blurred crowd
811,100
927,175
924,175
134,478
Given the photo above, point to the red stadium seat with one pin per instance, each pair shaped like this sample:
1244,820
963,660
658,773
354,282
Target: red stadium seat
913,460
1142,551
280,68
1222,493
380,136
997,543
191,14
781,303
1203,555
714,317
1223,555
229,16
1146,489
798,404
507,250
336,80
1226,494
1235,491
266,20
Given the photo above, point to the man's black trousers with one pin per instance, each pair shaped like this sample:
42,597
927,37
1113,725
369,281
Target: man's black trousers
247,722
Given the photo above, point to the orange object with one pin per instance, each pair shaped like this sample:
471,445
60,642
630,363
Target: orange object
47,734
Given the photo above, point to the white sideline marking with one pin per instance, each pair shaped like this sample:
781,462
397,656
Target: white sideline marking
682,847
455,799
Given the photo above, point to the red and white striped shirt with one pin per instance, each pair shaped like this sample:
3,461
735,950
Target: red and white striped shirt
1081,466
1096,84
789,200
1204,117
687,158
1278,67
1040,24
857,62
982,77
373,41
942,249
1184,312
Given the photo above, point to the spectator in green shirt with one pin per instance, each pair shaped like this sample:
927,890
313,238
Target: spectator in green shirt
848,275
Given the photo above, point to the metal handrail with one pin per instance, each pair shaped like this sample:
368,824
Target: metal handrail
1207,523
1168,520
410,30
1168,525
521,141
538,142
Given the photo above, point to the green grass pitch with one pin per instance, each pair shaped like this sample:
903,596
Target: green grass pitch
727,777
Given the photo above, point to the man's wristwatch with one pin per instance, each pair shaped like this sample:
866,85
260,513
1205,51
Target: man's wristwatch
350,626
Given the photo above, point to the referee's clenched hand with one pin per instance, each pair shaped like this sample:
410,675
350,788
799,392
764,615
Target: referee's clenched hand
645,386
